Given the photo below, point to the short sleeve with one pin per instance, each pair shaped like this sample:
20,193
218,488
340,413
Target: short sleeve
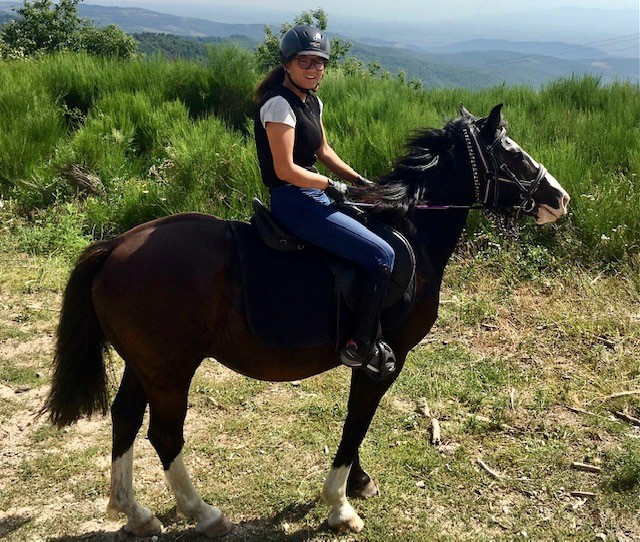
277,109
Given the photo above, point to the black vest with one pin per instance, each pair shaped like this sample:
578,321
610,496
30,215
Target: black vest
308,136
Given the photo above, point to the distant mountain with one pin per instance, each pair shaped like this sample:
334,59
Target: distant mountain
514,67
570,24
558,49
134,20
471,63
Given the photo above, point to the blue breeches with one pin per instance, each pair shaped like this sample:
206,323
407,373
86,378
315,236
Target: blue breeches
308,214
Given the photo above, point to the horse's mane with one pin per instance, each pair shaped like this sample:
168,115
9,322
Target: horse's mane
427,155
428,159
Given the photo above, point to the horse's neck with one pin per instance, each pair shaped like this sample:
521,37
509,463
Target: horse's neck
434,240
437,233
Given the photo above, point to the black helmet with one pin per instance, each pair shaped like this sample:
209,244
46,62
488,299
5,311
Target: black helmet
304,40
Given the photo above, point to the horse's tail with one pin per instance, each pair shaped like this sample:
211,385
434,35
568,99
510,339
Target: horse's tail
79,385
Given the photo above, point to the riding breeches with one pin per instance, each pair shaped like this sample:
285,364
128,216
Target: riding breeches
308,214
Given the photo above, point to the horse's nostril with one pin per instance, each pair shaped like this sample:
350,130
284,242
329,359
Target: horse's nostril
565,201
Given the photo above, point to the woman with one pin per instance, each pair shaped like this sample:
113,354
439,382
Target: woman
289,139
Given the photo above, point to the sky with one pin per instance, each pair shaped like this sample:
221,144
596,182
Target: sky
245,11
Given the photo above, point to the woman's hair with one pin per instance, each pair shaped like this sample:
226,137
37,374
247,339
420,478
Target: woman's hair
274,78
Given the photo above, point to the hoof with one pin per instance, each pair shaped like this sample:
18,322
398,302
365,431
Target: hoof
350,523
112,512
366,492
217,529
149,528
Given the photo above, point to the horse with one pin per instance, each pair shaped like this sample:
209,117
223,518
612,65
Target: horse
167,294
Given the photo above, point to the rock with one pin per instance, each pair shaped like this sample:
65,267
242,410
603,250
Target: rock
422,407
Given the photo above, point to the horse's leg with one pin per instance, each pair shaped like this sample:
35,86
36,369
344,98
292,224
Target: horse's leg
364,399
359,483
127,412
168,409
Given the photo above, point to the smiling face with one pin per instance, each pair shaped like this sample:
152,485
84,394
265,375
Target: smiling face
306,77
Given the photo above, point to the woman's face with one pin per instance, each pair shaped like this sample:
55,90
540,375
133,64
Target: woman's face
306,70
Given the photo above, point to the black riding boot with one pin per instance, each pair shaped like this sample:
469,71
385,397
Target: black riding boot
366,349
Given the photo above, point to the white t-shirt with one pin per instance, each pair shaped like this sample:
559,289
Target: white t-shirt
277,109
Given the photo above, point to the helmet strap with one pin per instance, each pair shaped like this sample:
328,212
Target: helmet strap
301,89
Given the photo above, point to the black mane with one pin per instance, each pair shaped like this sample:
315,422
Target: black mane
427,163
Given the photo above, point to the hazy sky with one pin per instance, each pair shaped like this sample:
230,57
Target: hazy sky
245,11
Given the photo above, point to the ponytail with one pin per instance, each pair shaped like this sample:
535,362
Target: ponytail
274,78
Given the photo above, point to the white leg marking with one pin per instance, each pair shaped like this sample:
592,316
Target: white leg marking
210,519
342,515
140,520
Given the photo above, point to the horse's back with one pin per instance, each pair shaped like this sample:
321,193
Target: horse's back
165,277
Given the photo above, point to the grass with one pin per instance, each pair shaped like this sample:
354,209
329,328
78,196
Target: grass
170,136
260,451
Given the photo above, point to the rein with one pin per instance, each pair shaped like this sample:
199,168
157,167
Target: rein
480,156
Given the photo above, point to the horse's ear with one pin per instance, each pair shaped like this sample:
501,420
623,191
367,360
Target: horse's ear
464,112
495,119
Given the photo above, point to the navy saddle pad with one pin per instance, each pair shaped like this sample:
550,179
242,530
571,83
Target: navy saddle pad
304,296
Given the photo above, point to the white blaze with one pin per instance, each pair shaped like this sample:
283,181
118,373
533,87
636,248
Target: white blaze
545,213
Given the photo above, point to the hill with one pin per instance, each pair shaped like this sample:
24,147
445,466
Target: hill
171,46
471,63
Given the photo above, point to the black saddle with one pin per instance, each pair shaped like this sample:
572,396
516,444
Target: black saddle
299,295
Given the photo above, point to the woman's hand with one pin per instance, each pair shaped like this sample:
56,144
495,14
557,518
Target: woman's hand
336,190
362,181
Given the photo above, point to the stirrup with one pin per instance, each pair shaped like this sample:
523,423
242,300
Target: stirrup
378,362
350,356
383,364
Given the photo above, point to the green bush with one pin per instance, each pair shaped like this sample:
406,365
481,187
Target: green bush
625,467
43,27
106,41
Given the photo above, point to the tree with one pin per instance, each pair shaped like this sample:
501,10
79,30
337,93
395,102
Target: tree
107,41
44,27
268,52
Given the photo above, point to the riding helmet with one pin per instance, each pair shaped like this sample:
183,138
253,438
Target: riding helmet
304,40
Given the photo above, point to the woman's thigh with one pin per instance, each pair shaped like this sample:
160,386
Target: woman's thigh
323,226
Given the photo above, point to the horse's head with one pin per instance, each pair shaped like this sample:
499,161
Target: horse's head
505,176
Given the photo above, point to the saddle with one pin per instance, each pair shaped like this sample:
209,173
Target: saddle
298,295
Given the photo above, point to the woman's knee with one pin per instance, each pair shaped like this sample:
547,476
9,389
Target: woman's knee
383,255
387,255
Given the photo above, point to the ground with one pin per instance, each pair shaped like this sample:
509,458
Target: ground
504,362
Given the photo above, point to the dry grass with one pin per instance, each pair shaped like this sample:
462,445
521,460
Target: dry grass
498,371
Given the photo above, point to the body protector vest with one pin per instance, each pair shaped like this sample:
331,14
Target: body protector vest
308,134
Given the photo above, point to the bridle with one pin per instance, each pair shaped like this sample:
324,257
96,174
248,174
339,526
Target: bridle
487,166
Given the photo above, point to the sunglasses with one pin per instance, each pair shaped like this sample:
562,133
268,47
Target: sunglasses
306,62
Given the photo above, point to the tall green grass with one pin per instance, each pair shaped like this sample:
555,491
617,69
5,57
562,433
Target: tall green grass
170,136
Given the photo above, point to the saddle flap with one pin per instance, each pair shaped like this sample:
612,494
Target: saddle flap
270,232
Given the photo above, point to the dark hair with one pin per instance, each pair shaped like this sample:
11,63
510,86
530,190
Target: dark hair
274,78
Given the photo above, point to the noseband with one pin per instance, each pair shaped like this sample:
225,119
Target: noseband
496,172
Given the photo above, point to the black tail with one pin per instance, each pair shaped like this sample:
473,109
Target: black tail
79,385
